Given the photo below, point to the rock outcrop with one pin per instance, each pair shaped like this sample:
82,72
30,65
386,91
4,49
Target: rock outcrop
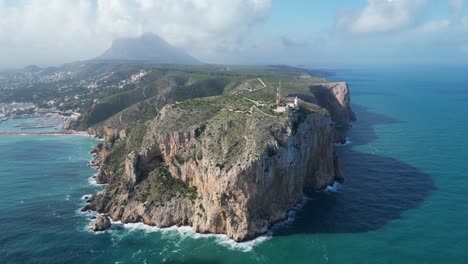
222,166
102,223
335,97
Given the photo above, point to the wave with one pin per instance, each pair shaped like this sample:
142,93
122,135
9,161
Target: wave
88,214
333,188
291,215
347,142
92,181
86,197
187,231
221,239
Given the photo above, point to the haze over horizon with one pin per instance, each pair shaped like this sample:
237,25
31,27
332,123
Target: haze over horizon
48,33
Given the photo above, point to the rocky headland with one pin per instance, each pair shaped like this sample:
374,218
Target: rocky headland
222,164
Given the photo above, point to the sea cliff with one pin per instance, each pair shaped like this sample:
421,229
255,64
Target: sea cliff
224,164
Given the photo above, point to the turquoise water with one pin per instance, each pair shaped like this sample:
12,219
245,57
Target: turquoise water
404,200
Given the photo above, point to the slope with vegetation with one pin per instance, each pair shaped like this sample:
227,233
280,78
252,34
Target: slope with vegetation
203,146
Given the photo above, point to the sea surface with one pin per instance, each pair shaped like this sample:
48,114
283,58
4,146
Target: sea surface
405,198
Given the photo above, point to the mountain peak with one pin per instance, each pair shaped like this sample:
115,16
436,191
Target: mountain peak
149,47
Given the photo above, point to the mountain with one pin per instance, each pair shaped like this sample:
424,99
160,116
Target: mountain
148,47
32,68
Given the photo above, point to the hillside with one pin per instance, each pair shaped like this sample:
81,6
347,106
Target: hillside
167,84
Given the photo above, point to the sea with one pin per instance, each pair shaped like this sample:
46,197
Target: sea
404,200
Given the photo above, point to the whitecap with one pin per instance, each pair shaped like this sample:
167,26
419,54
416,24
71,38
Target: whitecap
346,143
86,197
292,214
187,231
333,188
92,181
89,214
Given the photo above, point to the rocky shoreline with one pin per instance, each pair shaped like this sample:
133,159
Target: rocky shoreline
188,176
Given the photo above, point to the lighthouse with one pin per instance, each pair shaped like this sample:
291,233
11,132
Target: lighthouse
296,102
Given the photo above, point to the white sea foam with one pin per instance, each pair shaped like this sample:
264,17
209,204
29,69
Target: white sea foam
86,197
292,214
92,181
187,231
347,142
67,197
89,214
224,240
333,188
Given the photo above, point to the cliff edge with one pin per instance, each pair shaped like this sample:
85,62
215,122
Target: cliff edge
336,98
224,164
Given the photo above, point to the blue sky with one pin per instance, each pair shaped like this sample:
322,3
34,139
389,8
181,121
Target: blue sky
321,33
430,33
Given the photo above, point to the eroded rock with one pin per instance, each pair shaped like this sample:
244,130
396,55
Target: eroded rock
102,223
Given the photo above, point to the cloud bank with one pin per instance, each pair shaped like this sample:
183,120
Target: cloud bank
57,31
51,32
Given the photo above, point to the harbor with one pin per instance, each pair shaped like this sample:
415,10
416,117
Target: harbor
52,122
64,132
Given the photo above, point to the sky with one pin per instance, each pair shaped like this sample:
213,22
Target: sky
312,32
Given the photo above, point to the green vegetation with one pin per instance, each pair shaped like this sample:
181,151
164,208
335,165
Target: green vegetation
116,158
135,139
160,187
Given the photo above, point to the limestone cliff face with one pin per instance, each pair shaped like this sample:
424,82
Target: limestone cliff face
229,171
226,164
335,97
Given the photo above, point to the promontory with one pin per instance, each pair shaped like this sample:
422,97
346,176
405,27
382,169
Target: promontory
226,150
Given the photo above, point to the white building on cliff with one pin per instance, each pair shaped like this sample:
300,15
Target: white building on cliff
281,107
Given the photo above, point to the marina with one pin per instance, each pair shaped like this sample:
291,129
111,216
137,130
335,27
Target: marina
64,132
54,122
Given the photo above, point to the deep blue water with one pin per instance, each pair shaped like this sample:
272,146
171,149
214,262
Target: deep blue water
404,199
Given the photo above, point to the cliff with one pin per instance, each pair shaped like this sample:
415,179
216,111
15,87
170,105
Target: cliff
222,164
336,98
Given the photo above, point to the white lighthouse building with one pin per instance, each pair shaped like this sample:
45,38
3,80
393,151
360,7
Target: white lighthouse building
280,107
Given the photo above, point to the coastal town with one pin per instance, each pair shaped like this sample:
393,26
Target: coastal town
35,117
55,97
70,88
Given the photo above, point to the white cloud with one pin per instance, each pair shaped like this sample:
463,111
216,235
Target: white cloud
57,31
382,16
456,7
434,26
192,23
455,22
